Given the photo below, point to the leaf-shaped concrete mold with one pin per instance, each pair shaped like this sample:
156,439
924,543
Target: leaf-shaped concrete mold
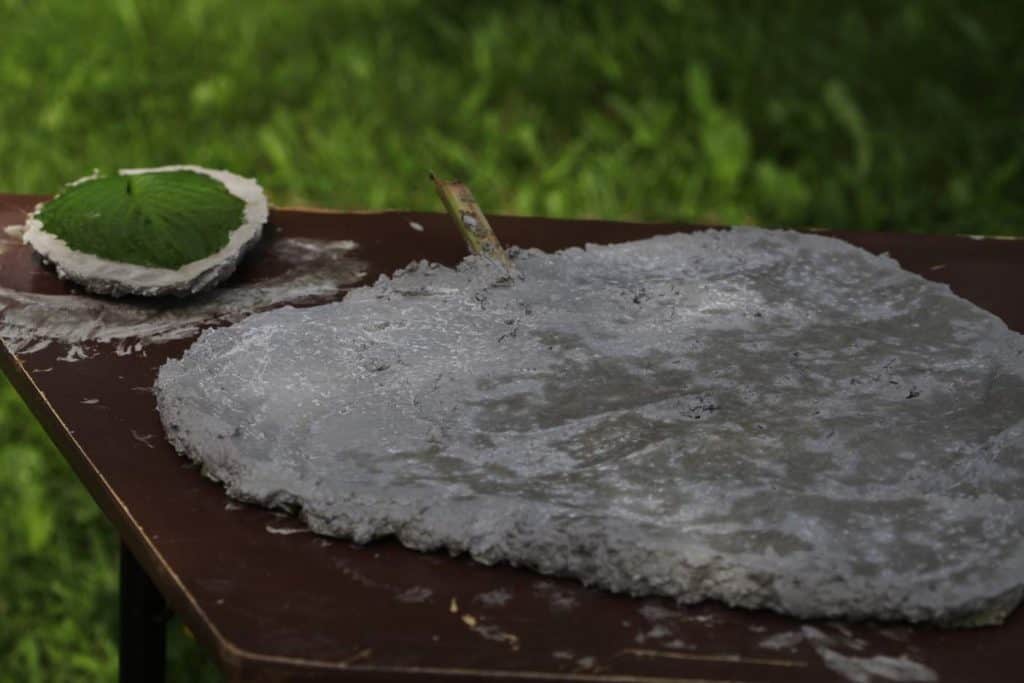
149,231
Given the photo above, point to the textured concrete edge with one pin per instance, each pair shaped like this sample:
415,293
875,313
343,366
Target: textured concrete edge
205,280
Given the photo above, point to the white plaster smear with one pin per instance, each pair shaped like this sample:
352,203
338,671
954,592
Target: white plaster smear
31,322
865,669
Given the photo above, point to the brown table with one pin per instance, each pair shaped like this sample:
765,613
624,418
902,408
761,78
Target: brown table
275,607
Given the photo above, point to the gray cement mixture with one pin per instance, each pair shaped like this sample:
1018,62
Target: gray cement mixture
770,419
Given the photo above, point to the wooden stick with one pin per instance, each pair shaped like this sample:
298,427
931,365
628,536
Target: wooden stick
470,220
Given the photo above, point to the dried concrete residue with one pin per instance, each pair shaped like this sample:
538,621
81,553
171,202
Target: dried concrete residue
662,625
491,632
31,322
657,615
786,640
145,439
499,597
865,669
652,612
487,631
877,668
558,600
655,633
767,418
415,594
285,531
854,667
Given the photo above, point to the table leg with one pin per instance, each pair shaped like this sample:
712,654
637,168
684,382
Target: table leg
143,624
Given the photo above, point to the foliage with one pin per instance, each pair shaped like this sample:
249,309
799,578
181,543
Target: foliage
55,565
58,568
160,220
864,115
870,115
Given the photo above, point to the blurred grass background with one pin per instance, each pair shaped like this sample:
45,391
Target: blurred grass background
867,115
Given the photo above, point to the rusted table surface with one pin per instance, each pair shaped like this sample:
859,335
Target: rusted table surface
294,606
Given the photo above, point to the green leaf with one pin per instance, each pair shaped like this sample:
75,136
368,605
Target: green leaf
159,220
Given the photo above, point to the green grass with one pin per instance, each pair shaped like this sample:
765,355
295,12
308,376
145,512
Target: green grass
893,116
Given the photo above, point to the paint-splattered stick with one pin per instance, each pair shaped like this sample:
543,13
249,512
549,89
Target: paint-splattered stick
472,223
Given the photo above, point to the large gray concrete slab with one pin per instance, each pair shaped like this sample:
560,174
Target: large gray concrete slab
766,418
